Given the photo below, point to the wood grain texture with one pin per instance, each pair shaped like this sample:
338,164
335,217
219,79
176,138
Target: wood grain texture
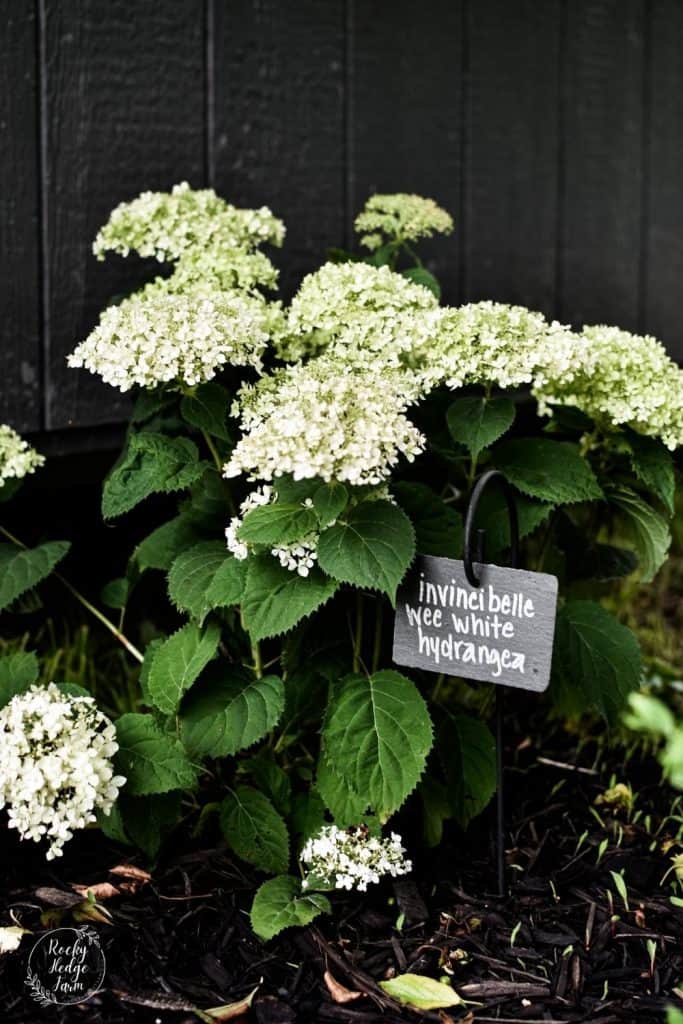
663,244
511,189
405,113
279,119
602,162
20,384
125,110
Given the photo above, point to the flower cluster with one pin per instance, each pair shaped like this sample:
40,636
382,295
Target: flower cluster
325,419
300,556
400,217
619,378
351,858
55,764
155,337
17,458
168,225
238,548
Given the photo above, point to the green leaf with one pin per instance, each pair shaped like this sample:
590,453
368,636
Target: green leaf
329,502
468,755
420,992
150,402
653,465
73,690
436,808
112,824
147,819
648,530
553,471
596,661
230,710
10,487
205,577
438,527
277,524
207,409
376,736
208,506
152,463
420,275
476,422
21,569
255,830
162,547
152,761
269,778
371,549
346,806
177,662
295,492
493,518
648,714
275,598
308,815
604,562
280,903
18,672
115,593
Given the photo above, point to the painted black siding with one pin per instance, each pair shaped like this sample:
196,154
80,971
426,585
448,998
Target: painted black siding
552,130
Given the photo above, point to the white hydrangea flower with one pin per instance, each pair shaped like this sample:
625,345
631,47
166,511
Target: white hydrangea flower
402,217
618,378
351,858
325,419
167,225
299,556
55,764
155,337
17,457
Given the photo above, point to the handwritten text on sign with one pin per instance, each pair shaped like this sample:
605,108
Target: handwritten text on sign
499,632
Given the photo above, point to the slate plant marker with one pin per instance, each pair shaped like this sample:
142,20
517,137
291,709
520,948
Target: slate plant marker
512,605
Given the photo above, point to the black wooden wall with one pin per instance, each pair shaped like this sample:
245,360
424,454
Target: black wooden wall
552,129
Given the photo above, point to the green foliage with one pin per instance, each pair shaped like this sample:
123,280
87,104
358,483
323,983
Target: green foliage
279,523
553,471
207,409
230,710
152,463
653,465
275,599
162,547
153,761
255,830
280,903
177,663
468,754
420,992
205,577
20,570
477,422
329,502
647,529
344,803
438,526
420,275
18,671
147,819
371,548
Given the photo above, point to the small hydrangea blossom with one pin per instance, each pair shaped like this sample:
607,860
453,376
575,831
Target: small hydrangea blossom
238,548
155,337
299,556
55,764
17,458
351,858
400,217
325,419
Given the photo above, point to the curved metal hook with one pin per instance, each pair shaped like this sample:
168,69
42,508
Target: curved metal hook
490,476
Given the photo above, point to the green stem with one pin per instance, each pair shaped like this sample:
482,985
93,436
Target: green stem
256,656
107,623
358,633
377,644
215,455
437,687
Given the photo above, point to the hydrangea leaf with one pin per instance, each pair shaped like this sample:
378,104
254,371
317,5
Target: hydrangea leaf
420,275
207,409
376,736
152,761
653,465
280,903
151,463
346,806
648,530
308,815
596,661
420,992
280,523
18,671
177,663
553,471
493,518
146,819
329,501
114,594
276,599
255,830
162,547
372,548
468,754
230,710
438,527
476,422
205,577
22,569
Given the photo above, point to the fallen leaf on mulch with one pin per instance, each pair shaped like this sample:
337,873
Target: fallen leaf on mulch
99,890
57,897
339,992
420,991
135,877
232,1010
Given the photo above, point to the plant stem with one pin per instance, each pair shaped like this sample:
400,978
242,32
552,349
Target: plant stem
107,623
256,655
437,687
377,645
219,466
358,633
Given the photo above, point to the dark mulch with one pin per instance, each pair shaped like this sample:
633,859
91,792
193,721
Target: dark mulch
555,950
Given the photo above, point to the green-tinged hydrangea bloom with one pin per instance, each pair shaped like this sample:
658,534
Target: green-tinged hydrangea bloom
400,217
167,225
347,295
619,378
222,267
155,337
325,419
17,458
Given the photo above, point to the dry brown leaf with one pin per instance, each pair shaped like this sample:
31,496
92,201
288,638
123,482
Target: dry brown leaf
231,1011
132,872
339,993
56,897
100,890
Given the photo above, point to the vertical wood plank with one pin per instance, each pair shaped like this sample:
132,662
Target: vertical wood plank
602,157
19,218
125,112
406,113
663,255
279,119
512,155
